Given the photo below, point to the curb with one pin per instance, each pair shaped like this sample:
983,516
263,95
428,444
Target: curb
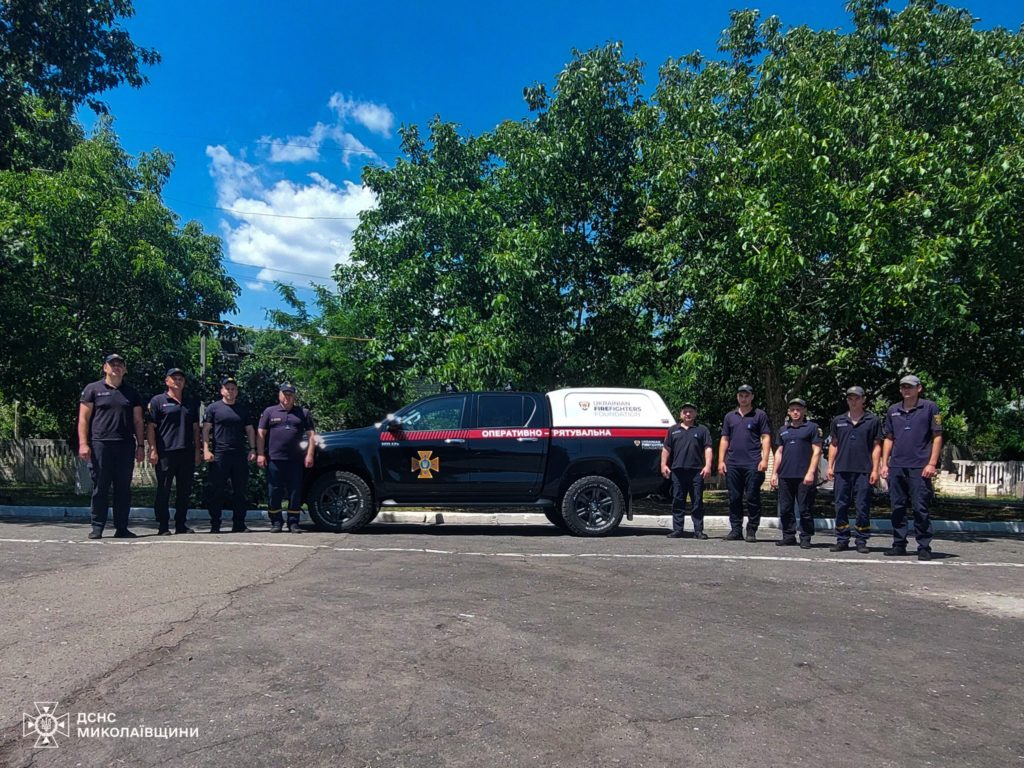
434,517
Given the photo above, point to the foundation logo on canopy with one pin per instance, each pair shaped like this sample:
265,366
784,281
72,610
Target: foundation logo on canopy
45,725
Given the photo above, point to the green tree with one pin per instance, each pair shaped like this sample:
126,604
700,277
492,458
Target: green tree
495,258
822,207
92,261
54,56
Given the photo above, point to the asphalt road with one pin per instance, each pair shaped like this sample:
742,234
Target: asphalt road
417,646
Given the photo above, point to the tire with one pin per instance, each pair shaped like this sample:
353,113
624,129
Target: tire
341,502
593,506
555,518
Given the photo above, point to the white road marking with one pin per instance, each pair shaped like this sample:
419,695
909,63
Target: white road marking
862,561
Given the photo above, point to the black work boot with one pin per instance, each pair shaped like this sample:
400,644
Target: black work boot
862,547
839,546
293,523
276,522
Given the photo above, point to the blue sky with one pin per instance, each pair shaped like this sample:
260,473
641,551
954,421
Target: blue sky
273,108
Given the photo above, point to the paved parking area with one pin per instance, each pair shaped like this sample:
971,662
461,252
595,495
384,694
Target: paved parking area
478,646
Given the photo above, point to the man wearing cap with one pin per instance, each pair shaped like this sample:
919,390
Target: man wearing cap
853,454
279,449
174,450
912,442
228,454
796,473
743,459
110,435
686,458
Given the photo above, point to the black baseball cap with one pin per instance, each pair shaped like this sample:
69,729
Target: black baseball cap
228,380
112,357
287,388
687,405
798,401
745,388
174,372
856,391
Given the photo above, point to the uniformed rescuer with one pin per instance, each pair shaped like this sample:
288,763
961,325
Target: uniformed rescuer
229,442
742,459
278,448
911,445
796,473
686,459
172,425
110,430
854,451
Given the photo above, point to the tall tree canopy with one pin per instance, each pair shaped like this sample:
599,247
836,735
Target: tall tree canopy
91,261
54,56
825,207
815,208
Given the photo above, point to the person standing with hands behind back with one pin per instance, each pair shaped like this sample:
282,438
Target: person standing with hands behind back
278,448
742,460
853,457
109,431
686,459
174,450
796,474
229,440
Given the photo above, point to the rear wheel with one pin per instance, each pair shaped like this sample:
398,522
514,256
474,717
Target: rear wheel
341,502
593,506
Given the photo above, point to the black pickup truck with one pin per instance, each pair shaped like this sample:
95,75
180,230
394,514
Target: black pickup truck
579,455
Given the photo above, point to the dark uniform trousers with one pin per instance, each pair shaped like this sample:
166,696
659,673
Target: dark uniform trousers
744,483
793,491
233,467
284,479
174,467
852,487
687,482
906,486
112,464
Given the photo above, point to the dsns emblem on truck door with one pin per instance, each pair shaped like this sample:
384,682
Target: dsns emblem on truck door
424,465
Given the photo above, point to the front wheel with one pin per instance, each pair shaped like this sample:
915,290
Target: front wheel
341,502
555,518
593,506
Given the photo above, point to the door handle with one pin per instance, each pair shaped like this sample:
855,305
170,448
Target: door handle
453,440
526,439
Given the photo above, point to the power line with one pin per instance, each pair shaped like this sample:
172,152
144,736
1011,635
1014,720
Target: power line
275,330
275,269
257,213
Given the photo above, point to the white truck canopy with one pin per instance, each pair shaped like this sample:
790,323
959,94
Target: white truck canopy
608,407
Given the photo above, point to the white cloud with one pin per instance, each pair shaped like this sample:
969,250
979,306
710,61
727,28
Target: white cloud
299,149
376,118
299,226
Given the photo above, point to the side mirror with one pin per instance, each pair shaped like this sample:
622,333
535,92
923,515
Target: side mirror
393,424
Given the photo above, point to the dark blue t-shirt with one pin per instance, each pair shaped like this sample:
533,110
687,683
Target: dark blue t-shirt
686,446
796,443
744,433
173,421
854,442
284,431
911,433
112,410
229,423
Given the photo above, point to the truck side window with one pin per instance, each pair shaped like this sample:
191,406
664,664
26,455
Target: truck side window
442,413
505,411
